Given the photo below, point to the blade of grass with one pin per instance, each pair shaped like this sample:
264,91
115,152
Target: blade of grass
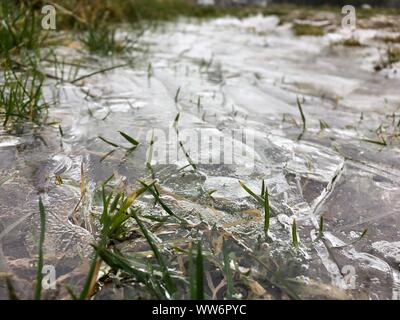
266,210
250,192
295,240
129,139
354,241
177,94
118,262
39,274
303,118
199,273
109,142
91,278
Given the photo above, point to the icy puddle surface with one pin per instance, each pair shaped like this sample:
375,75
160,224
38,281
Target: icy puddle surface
248,75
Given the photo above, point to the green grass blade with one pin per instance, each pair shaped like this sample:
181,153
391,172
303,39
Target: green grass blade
109,142
39,274
128,138
89,279
199,273
250,192
177,95
295,240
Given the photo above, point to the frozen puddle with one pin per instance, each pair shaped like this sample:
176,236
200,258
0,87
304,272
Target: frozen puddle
222,75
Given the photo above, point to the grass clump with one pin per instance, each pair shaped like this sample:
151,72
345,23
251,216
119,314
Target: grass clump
308,30
263,200
19,28
392,56
102,41
390,39
351,42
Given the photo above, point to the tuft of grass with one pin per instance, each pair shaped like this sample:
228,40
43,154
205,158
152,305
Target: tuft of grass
116,212
118,262
19,27
263,201
102,40
390,39
21,99
351,42
307,30
393,55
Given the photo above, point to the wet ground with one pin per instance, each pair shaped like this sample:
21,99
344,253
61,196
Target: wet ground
248,74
